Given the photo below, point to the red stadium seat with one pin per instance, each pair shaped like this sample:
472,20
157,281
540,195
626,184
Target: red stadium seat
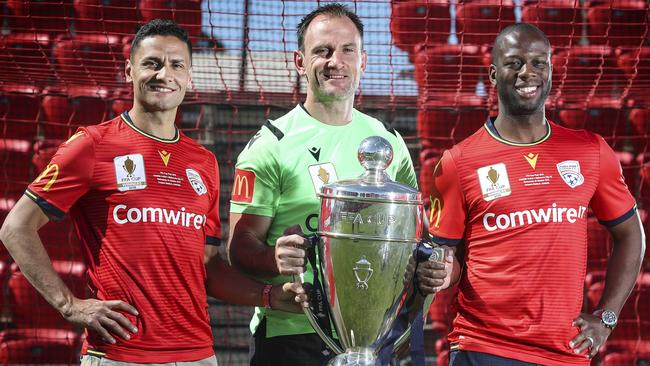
448,125
479,21
414,22
27,306
90,59
25,57
82,106
618,22
39,346
16,163
110,16
444,70
584,73
19,110
635,63
187,13
560,20
50,16
608,121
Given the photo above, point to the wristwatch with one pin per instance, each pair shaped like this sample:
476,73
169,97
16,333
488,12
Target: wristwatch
608,317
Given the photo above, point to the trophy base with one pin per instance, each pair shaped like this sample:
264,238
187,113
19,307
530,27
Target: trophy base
357,357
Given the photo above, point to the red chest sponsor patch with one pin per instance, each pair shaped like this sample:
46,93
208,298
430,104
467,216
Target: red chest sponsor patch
243,186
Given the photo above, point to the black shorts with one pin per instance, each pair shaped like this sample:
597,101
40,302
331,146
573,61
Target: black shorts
470,358
292,350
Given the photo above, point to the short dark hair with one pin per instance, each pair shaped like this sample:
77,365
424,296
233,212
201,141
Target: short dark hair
526,27
160,27
335,10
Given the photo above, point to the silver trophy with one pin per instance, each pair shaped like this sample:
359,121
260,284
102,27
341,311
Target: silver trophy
368,229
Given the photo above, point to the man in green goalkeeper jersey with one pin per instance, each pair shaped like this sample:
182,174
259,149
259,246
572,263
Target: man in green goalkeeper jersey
287,161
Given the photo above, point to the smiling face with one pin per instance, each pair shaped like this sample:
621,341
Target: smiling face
521,71
160,71
332,60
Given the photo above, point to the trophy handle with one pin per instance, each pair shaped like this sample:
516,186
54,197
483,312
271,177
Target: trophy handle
311,317
422,253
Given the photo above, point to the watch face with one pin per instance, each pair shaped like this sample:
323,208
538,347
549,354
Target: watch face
609,318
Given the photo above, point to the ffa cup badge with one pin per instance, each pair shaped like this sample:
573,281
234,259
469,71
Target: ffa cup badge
322,174
494,181
129,172
196,182
570,172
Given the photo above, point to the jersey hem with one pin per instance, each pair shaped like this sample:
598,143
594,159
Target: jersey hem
47,207
620,219
518,355
140,356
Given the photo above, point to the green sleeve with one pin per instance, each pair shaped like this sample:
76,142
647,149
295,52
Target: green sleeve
259,157
406,172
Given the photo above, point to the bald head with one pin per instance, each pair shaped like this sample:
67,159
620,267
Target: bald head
520,29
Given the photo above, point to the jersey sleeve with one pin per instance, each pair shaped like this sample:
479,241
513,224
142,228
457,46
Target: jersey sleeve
256,186
406,173
612,202
448,212
67,177
213,221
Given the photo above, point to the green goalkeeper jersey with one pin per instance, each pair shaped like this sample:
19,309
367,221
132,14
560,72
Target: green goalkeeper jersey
283,166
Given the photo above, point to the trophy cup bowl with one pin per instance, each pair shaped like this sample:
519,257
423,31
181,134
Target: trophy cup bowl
368,229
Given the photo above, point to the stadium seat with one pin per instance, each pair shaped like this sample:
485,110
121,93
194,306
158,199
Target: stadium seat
618,22
608,121
39,346
187,13
560,20
18,111
50,16
110,16
90,59
15,172
583,73
479,21
26,57
449,125
81,106
27,306
415,22
635,64
443,71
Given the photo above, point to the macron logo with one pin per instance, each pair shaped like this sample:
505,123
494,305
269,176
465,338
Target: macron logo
123,215
492,221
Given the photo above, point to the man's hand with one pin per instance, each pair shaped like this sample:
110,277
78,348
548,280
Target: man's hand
102,317
434,276
289,297
593,335
290,252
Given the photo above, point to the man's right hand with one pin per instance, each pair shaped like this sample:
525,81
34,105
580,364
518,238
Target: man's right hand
290,252
102,317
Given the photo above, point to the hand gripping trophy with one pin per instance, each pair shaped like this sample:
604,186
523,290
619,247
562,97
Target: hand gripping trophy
368,229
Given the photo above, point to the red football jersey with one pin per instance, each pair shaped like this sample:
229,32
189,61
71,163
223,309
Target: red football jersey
520,211
144,208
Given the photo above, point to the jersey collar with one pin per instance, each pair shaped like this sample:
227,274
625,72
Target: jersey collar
127,119
489,126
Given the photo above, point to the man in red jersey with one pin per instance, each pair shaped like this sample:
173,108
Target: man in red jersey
145,200
511,202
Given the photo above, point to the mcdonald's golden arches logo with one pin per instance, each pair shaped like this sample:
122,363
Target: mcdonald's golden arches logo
243,186
435,212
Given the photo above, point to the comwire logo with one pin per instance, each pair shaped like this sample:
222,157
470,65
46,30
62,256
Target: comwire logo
492,221
123,215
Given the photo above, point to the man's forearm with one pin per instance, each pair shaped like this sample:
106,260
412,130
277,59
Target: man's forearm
623,266
251,256
225,283
27,250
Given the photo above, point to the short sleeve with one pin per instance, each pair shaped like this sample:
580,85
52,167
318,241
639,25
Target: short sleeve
67,177
213,221
448,212
612,202
406,172
256,186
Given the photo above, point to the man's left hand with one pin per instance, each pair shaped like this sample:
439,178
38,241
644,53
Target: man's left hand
290,297
593,335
